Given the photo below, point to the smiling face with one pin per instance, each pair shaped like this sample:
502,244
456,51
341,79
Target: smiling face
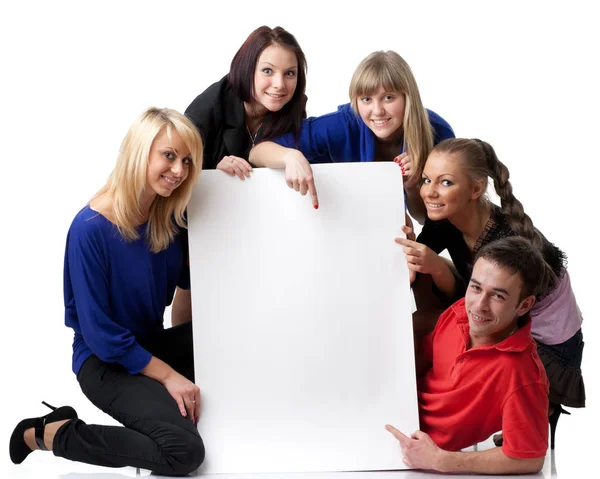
446,189
493,303
275,78
168,164
383,113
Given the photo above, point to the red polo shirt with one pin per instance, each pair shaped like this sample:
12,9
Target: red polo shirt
469,394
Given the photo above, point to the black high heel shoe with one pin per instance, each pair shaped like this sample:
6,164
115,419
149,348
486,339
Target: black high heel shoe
553,419
18,448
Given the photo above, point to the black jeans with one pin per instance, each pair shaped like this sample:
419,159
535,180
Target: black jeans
156,436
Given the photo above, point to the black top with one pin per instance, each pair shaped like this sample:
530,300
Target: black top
442,235
220,117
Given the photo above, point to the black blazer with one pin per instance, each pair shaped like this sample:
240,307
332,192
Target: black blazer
219,116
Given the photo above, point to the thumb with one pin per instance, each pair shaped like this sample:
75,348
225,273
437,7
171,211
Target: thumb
419,435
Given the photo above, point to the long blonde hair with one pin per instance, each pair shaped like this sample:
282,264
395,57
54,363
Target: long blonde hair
387,69
127,182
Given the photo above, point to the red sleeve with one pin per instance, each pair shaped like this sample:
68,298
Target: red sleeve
525,422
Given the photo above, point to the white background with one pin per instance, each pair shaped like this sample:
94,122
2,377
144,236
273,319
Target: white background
520,75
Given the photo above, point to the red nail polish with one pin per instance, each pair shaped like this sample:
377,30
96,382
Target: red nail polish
316,207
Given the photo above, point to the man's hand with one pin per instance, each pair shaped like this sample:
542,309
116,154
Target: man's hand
419,450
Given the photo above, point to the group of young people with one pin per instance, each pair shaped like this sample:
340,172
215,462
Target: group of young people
505,354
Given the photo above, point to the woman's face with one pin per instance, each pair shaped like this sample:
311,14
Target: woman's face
446,189
383,113
168,164
275,78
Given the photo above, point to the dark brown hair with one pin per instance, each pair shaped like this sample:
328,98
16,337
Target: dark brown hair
241,79
519,256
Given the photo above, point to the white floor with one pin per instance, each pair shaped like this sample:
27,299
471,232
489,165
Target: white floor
45,465
569,460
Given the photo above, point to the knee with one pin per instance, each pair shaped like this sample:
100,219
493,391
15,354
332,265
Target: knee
189,457
195,453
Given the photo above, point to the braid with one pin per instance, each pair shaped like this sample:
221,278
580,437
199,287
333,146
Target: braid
518,220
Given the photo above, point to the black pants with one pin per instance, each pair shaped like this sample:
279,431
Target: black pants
156,436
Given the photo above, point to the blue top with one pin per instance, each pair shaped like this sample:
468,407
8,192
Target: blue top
342,136
116,291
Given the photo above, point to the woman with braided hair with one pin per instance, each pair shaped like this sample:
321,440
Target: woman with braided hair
461,219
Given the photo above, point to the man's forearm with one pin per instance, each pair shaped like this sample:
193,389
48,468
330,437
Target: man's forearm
491,461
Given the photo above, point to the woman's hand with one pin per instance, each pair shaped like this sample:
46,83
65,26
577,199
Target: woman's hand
420,258
408,228
410,235
235,166
185,393
408,174
299,175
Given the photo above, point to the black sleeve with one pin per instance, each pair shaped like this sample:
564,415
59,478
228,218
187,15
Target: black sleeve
205,113
434,235
439,236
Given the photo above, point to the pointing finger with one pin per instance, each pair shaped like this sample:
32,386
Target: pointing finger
313,194
398,435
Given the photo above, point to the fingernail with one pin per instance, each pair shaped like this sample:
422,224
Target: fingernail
316,207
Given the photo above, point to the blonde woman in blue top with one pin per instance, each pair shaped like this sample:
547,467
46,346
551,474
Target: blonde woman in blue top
384,121
126,252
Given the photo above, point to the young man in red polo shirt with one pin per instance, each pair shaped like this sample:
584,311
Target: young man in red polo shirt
483,373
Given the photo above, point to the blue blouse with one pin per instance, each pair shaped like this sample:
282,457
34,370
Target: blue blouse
342,136
116,291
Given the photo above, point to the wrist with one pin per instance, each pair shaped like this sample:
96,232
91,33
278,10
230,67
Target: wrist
439,269
158,370
441,463
292,156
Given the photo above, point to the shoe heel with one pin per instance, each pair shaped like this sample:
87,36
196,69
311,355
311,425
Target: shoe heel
46,404
18,448
553,420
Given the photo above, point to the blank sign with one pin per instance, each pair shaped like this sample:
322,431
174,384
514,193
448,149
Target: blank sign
302,321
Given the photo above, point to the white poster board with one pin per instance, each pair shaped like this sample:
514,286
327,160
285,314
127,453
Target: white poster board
302,321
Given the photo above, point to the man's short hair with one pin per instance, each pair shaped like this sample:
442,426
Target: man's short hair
518,255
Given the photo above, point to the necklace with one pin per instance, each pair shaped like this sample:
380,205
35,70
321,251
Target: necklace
253,137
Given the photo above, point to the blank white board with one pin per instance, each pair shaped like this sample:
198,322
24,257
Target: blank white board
302,321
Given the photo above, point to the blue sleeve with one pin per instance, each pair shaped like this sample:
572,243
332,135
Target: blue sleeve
441,128
88,267
322,138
